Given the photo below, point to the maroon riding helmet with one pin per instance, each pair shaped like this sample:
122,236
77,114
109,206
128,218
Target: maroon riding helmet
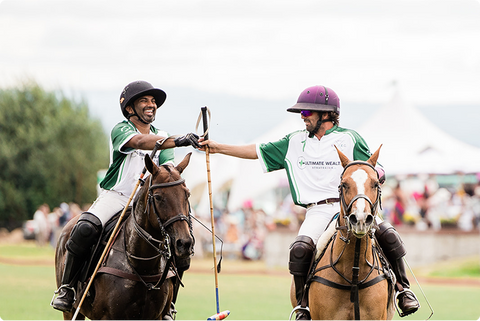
317,98
137,89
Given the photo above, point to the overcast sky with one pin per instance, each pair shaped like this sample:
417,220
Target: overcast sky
269,49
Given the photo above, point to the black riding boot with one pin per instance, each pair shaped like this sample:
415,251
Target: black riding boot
394,249
407,301
301,254
302,312
84,236
66,292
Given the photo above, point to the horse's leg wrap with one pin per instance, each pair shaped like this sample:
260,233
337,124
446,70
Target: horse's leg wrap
394,249
302,252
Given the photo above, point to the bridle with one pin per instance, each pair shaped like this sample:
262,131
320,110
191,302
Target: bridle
163,246
151,204
355,284
373,205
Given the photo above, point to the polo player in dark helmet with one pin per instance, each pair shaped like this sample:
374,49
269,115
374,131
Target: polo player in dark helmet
131,140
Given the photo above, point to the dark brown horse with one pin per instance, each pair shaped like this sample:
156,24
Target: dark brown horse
352,280
132,282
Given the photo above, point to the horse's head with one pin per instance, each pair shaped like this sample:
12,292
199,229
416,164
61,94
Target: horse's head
168,207
359,193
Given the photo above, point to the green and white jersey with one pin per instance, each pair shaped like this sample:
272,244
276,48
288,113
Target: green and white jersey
313,166
126,164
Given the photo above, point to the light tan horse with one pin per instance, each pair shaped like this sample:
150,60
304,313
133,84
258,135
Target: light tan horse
351,280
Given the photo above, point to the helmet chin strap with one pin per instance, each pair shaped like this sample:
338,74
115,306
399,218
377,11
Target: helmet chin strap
138,117
315,130
317,127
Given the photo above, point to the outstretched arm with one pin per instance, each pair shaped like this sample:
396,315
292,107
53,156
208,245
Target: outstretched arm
148,141
240,151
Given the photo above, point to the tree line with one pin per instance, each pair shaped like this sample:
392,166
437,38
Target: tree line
50,152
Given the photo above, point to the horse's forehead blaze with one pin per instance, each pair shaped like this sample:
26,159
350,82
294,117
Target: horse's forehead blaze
360,178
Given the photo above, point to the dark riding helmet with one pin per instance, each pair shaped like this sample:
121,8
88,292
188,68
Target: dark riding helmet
137,89
317,98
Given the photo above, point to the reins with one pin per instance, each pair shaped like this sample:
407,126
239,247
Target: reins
164,247
354,285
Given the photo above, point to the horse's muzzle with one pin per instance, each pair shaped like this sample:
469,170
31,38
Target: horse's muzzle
360,223
184,247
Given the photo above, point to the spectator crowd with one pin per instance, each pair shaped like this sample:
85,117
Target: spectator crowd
49,224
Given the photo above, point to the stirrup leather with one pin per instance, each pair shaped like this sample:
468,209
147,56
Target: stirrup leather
66,286
400,313
297,308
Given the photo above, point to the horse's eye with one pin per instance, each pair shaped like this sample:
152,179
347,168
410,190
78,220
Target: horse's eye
158,197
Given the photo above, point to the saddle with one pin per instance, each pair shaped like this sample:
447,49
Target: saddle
89,267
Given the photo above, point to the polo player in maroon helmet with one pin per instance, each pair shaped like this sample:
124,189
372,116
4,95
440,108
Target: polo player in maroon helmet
313,169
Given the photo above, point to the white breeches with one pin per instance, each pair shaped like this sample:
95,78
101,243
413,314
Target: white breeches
108,204
317,219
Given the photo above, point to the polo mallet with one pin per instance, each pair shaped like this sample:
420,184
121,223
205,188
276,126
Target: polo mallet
219,315
423,293
140,180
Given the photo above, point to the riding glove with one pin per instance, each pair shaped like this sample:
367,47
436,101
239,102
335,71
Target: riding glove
189,139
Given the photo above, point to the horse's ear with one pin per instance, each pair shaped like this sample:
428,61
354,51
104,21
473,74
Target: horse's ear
373,159
184,163
151,167
344,159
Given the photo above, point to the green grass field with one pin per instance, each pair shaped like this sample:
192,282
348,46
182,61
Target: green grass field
26,291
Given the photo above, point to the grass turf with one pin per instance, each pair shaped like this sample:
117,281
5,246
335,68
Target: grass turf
26,290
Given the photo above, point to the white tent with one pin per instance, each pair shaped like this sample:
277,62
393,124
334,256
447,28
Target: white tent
251,182
413,145
223,170
246,178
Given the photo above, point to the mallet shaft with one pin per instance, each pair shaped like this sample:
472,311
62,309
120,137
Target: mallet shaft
154,151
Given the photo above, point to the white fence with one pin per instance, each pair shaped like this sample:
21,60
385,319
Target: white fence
423,247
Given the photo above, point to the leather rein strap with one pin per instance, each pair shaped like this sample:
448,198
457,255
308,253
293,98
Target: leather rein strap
355,285
163,247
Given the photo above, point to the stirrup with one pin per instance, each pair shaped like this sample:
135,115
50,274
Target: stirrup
66,286
297,308
400,313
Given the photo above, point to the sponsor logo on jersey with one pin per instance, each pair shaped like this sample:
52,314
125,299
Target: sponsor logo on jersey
141,153
316,164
